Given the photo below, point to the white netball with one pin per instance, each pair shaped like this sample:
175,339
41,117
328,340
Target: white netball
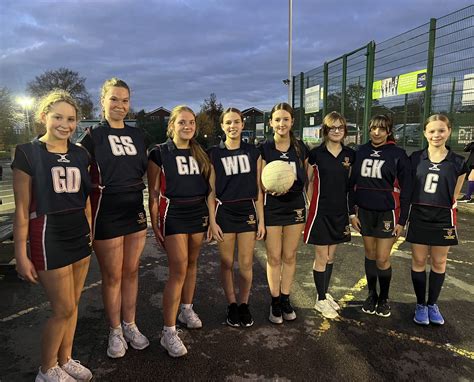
278,176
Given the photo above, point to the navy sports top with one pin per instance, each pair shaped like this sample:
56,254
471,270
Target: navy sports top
331,178
236,171
434,183
180,177
119,157
270,154
60,182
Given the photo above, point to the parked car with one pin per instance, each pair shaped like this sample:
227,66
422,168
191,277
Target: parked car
408,135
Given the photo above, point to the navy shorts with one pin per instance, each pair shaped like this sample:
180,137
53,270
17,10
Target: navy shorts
434,226
115,215
236,217
58,240
378,224
182,217
286,209
327,229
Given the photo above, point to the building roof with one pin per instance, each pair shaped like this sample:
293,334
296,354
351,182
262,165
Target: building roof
161,108
252,109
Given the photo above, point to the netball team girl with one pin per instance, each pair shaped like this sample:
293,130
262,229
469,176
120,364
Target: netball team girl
178,173
438,175
380,186
328,222
236,211
284,214
51,186
119,221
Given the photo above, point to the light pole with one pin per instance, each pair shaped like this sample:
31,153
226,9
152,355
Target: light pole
290,34
26,103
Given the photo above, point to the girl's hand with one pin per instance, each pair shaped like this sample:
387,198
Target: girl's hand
26,270
398,230
355,222
159,237
261,231
216,232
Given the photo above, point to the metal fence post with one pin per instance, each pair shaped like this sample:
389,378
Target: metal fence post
429,75
301,116
369,82
325,89
293,91
343,87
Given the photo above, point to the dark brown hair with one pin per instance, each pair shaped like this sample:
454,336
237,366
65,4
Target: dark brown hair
286,107
231,110
383,121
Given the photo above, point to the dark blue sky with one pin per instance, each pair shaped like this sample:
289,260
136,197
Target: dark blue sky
179,51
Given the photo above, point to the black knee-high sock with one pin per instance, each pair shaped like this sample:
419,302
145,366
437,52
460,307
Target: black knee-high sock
434,289
419,285
385,276
328,277
371,274
319,282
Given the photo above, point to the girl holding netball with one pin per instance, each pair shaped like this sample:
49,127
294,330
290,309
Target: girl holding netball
285,214
51,186
380,187
328,222
119,221
178,173
438,175
235,211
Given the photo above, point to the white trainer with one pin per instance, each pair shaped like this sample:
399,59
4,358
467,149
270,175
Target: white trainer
188,317
325,308
132,335
333,302
77,371
54,374
117,344
173,344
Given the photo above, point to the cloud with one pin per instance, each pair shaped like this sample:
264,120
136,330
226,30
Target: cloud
173,52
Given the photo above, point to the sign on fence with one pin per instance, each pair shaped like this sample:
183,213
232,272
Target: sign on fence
311,99
402,84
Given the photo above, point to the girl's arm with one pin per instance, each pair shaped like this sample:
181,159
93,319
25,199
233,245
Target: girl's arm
153,175
259,203
214,230
310,188
22,189
459,183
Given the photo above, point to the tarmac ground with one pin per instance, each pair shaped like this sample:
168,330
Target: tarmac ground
355,346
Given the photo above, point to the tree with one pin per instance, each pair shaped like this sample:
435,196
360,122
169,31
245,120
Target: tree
213,110
9,117
65,79
206,128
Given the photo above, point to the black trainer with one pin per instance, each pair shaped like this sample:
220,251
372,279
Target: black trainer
288,311
233,318
370,303
246,319
383,308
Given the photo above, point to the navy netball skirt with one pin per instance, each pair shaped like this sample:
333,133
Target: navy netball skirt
183,216
236,217
284,210
115,215
58,240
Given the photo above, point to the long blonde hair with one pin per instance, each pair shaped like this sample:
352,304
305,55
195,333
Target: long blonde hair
196,150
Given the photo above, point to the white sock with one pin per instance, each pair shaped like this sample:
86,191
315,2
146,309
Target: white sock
169,329
186,306
128,323
118,328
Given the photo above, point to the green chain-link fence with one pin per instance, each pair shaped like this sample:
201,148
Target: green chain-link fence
429,69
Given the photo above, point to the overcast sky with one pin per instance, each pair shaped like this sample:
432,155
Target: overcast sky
179,51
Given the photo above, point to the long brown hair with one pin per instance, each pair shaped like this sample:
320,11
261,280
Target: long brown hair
196,150
293,141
